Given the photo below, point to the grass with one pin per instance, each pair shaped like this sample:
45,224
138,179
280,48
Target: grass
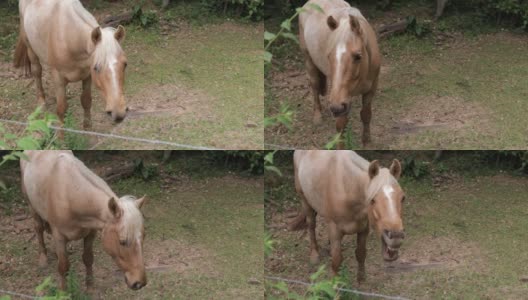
467,59
205,229
207,76
468,224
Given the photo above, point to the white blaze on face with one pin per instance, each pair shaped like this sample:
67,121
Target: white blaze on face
112,63
340,51
388,190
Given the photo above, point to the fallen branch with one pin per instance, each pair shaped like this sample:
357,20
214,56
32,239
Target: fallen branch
114,21
394,28
123,171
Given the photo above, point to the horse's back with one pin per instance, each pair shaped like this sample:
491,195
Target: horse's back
330,179
39,178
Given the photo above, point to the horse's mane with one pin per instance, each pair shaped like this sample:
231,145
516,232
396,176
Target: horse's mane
132,218
105,47
343,31
383,178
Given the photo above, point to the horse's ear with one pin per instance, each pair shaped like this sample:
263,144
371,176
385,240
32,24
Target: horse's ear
332,23
141,201
396,169
119,34
354,25
114,208
373,169
96,35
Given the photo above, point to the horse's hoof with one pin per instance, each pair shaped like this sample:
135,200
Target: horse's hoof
87,125
43,261
314,258
317,119
361,278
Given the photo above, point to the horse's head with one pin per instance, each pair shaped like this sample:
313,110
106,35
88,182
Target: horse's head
108,69
346,54
123,239
385,208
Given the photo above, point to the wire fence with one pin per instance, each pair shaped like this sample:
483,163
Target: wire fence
115,136
10,293
373,295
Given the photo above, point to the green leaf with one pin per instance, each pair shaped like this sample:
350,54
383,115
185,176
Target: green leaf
273,169
267,56
3,145
28,143
286,24
269,158
268,36
290,36
21,155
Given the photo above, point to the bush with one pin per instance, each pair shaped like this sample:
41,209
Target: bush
251,9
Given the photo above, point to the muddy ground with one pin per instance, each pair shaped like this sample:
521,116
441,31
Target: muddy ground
203,233
463,86
465,238
189,82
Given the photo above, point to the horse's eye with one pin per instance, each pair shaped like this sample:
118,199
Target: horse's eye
126,64
123,242
403,199
357,56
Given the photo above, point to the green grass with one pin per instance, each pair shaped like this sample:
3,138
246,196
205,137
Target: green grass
466,58
213,71
479,221
201,208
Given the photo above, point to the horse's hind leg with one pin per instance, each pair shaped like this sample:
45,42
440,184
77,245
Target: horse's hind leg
40,226
88,258
36,71
306,217
366,112
86,101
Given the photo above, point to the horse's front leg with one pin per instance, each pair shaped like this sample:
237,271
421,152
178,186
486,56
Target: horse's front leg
341,123
86,101
62,255
62,104
88,258
318,84
361,254
366,112
336,236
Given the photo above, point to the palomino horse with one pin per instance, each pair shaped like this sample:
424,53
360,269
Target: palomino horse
63,35
71,202
351,194
341,46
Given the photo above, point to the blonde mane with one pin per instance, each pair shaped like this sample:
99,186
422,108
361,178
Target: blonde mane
343,31
132,219
107,48
383,178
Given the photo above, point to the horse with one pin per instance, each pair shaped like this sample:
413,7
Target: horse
340,45
353,196
66,37
70,202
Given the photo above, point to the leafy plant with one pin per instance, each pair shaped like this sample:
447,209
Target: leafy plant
284,117
416,28
268,163
144,18
37,135
415,168
284,32
146,171
268,244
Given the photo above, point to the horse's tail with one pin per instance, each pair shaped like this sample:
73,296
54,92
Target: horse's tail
21,54
298,223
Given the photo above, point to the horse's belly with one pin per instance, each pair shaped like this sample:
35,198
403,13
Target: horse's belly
354,226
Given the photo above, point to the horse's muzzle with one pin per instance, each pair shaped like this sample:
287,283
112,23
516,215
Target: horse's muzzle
339,110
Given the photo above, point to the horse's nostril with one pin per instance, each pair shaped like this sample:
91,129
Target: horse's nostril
137,285
109,113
